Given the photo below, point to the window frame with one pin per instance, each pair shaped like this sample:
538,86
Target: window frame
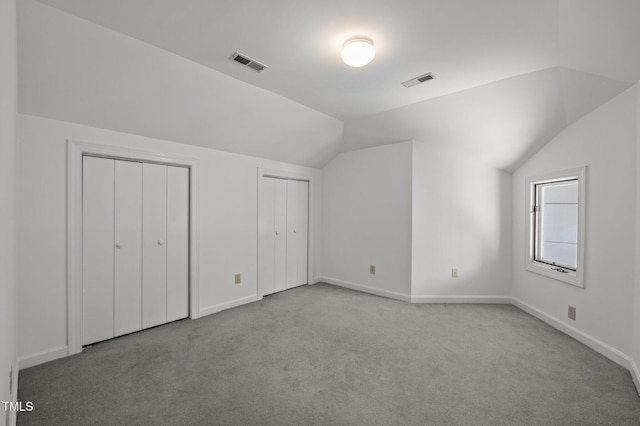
557,272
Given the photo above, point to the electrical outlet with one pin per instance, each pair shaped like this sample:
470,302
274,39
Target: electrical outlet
571,312
238,278
372,269
454,272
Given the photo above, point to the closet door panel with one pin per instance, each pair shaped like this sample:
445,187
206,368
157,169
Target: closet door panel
267,238
292,233
97,249
128,248
154,248
177,243
302,207
280,272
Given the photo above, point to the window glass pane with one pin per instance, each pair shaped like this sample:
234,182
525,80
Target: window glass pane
558,222
555,238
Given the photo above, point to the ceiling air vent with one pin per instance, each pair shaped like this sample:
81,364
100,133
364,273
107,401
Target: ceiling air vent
247,61
419,79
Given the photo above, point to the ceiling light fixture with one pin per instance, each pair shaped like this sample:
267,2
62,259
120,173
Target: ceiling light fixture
358,51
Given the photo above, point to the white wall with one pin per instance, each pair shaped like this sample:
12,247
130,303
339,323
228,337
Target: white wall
367,220
416,211
461,219
604,140
636,306
8,111
227,225
76,71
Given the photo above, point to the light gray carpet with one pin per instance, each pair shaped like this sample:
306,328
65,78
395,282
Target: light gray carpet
322,355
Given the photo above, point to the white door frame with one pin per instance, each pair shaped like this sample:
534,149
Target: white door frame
75,152
295,175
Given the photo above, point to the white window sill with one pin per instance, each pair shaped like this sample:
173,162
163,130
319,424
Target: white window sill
570,277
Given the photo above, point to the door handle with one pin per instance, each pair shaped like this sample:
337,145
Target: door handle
160,242
119,244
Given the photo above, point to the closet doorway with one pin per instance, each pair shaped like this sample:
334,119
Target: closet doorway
283,234
135,239
132,241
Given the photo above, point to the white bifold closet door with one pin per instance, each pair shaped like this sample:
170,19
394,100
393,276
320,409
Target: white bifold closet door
178,243
297,232
280,232
135,246
154,246
284,235
97,249
128,247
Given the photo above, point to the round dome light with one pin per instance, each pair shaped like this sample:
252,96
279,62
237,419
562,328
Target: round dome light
358,51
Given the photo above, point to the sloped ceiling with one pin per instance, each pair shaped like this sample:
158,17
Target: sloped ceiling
510,74
73,70
500,123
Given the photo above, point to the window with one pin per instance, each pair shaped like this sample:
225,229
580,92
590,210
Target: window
556,224
555,246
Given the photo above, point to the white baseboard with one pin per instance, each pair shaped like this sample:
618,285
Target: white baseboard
415,299
366,289
635,375
501,300
602,348
228,305
47,355
41,357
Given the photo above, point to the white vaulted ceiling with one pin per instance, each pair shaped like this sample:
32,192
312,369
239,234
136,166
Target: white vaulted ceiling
510,74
